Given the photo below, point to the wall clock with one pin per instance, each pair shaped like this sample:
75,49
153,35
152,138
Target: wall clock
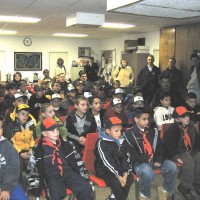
27,41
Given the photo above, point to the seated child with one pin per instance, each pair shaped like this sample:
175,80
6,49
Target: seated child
57,164
36,101
80,122
56,103
21,133
116,110
79,85
96,109
47,111
179,143
163,112
139,144
111,161
9,170
7,103
192,107
55,89
23,89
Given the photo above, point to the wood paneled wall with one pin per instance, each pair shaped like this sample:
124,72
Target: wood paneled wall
167,46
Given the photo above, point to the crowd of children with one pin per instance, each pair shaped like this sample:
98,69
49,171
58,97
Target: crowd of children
50,124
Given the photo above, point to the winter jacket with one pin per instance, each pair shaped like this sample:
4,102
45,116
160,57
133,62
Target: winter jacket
194,113
110,157
134,145
22,137
163,115
173,140
9,166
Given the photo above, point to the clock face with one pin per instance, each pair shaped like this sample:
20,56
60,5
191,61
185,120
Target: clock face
27,41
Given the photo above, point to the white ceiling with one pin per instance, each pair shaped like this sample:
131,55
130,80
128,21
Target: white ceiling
54,12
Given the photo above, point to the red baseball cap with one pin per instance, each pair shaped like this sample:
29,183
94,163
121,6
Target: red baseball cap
112,121
180,111
49,124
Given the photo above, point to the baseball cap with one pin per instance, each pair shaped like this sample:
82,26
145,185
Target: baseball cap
18,95
112,121
115,101
70,87
45,81
49,124
37,88
55,96
22,107
119,91
138,98
78,83
180,111
87,94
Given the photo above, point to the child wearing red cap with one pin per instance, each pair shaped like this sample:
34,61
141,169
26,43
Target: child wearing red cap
179,142
112,161
58,166
139,143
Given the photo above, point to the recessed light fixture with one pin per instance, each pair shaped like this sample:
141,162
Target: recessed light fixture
117,25
17,19
7,32
69,35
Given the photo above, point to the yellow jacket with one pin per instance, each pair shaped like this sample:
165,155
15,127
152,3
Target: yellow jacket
124,75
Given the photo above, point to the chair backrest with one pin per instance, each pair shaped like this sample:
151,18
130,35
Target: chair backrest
164,127
88,153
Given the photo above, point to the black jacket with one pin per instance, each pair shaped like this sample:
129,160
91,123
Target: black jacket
173,140
110,158
134,145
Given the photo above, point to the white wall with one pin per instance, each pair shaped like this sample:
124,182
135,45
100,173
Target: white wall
151,40
11,44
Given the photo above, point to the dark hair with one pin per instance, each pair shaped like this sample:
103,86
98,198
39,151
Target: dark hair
194,55
81,73
150,55
79,98
172,58
11,86
44,106
124,61
162,95
17,73
21,82
46,70
191,95
138,112
91,99
54,82
136,89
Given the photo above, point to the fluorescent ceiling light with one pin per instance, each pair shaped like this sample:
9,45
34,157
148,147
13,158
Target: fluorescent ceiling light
7,32
18,19
69,35
117,25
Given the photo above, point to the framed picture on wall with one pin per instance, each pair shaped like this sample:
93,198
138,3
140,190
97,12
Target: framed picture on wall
27,61
84,52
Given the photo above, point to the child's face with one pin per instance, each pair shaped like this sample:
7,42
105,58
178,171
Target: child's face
49,112
80,87
39,94
96,105
184,120
23,87
82,107
52,135
18,101
117,108
1,128
11,92
138,104
62,78
56,102
115,131
56,87
22,116
72,93
116,85
142,121
191,103
166,102
119,96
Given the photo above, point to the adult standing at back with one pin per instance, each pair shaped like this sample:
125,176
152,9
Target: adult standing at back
194,82
148,79
92,70
125,75
60,68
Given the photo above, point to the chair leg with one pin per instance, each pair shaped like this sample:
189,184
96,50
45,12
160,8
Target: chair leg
137,189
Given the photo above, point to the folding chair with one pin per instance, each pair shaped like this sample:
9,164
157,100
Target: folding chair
89,157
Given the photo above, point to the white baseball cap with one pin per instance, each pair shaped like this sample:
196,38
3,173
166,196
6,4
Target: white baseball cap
18,95
70,87
119,91
56,96
116,101
138,98
87,94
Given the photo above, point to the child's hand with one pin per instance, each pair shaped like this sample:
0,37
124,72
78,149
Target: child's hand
4,195
82,140
25,155
157,164
179,160
125,178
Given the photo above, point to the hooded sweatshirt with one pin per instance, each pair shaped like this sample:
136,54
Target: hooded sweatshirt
9,166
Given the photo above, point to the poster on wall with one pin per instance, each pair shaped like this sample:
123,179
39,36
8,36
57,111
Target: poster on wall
27,61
